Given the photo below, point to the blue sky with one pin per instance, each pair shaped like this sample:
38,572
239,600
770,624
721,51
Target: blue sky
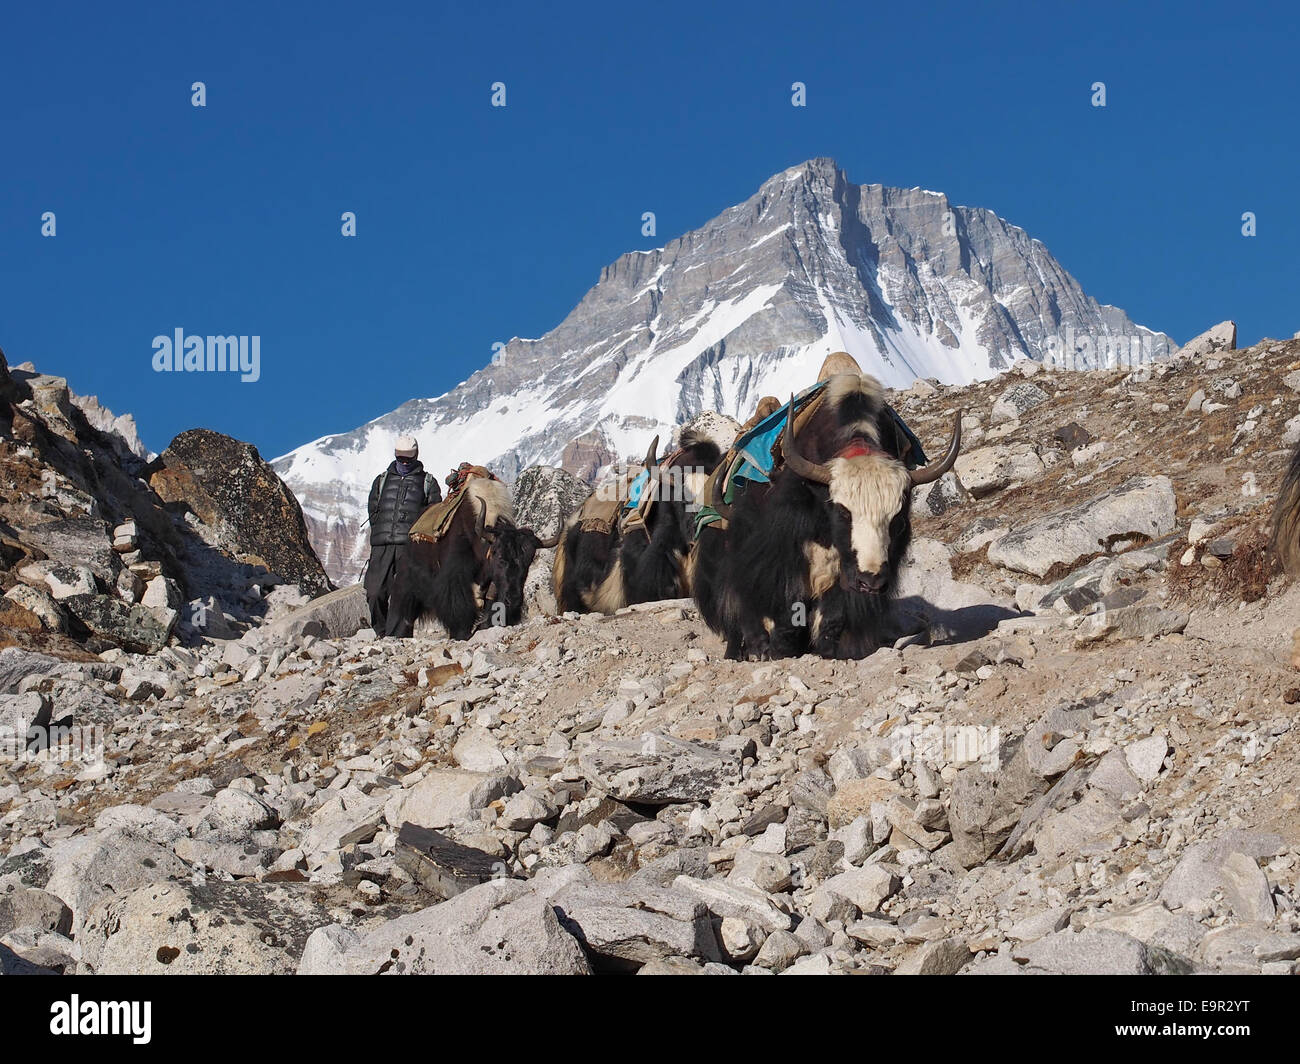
476,224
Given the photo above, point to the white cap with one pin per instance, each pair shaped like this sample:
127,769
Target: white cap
406,447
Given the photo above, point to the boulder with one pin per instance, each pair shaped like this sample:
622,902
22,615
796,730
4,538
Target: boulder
780,950
86,868
1018,399
443,866
64,581
944,956
986,806
926,587
46,949
250,511
77,541
1228,865
133,628
213,928
1153,924
525,809
1140,508
1084,828
658,769
988,469
1146,756
446,796
16,664
142,821
940,496
234,814
1093,951
725,898
52,617
498,928
624,929
13,964
336,825
1222,337
22,906
1113,776
545,497
477,751
865,889
334,615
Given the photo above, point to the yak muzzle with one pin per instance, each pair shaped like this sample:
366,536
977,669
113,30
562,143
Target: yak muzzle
871,583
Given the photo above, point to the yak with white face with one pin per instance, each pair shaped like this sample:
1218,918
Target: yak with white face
809,561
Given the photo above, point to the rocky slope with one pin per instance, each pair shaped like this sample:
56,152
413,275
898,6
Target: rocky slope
909,283
1084,761
103,548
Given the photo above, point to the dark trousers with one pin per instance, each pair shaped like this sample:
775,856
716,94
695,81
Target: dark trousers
380,584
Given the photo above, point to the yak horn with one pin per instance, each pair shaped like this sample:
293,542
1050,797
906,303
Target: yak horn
651,459
715,497
480,523
800,465
937,469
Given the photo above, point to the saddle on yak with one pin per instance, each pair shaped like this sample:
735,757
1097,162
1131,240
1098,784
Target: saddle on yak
640,499
432,525
753,457
603,507
624,503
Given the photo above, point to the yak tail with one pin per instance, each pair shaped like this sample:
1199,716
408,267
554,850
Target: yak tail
1286,517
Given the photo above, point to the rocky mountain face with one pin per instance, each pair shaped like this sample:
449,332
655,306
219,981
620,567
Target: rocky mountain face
102,550
909,283
1081,760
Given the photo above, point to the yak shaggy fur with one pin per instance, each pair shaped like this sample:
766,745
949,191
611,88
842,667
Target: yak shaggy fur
605,571
802,566
463,575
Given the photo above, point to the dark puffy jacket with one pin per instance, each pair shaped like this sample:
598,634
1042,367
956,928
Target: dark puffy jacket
401,501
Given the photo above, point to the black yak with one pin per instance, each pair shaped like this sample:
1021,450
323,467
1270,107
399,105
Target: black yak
808,561
607,562
475,570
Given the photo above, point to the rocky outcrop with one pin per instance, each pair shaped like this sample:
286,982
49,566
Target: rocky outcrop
92,558
1140,509
545,497
1221,339
246,508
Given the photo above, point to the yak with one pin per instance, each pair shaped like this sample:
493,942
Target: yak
809,560
475,570
604,565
